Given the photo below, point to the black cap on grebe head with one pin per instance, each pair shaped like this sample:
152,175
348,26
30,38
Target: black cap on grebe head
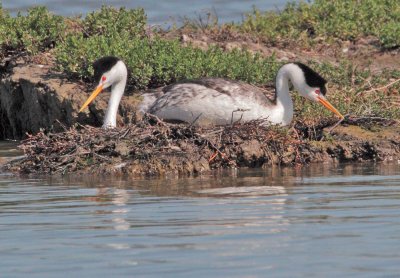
313,79
104,65
108,72
307,82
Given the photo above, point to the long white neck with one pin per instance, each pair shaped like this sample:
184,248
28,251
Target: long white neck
117,91
284,103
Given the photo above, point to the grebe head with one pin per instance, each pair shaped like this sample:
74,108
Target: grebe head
108,71
312,86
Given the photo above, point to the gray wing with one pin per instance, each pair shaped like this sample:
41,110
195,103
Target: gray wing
149,98
181,92
234,88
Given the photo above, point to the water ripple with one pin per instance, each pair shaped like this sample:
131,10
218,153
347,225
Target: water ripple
316,221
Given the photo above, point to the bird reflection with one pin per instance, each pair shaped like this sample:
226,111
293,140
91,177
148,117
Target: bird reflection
120,200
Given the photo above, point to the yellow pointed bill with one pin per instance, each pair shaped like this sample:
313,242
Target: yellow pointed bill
326,103
92,97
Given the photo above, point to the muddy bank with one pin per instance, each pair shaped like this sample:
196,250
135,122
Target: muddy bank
33,96
152,147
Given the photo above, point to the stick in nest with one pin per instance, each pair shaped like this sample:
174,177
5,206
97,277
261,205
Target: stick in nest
338,123
241,116
195,120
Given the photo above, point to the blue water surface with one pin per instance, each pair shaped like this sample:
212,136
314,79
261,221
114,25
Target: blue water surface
318,221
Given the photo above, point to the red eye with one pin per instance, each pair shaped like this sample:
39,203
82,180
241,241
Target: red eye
103,78
318,92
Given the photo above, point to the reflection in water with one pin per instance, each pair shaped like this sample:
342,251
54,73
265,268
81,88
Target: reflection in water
315,221
121,197
244,191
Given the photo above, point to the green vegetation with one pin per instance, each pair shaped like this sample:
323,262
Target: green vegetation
339,19
109,22
157,62
36,31
154,61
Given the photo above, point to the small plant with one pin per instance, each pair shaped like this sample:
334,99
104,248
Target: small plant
38,30
389,35
109,21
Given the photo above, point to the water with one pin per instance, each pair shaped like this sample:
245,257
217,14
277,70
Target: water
317,221
158,12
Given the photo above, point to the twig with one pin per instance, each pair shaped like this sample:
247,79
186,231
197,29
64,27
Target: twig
214,147
241,116
383,87
125,133
159,121
195,120
371,118
214,132
338,123
101,156
62,125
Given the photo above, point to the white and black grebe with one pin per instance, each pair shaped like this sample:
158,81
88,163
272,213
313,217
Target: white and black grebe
212,101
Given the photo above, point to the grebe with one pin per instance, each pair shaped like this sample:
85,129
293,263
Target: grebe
212,101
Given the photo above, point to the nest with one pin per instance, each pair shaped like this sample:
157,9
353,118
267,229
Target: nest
152,147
